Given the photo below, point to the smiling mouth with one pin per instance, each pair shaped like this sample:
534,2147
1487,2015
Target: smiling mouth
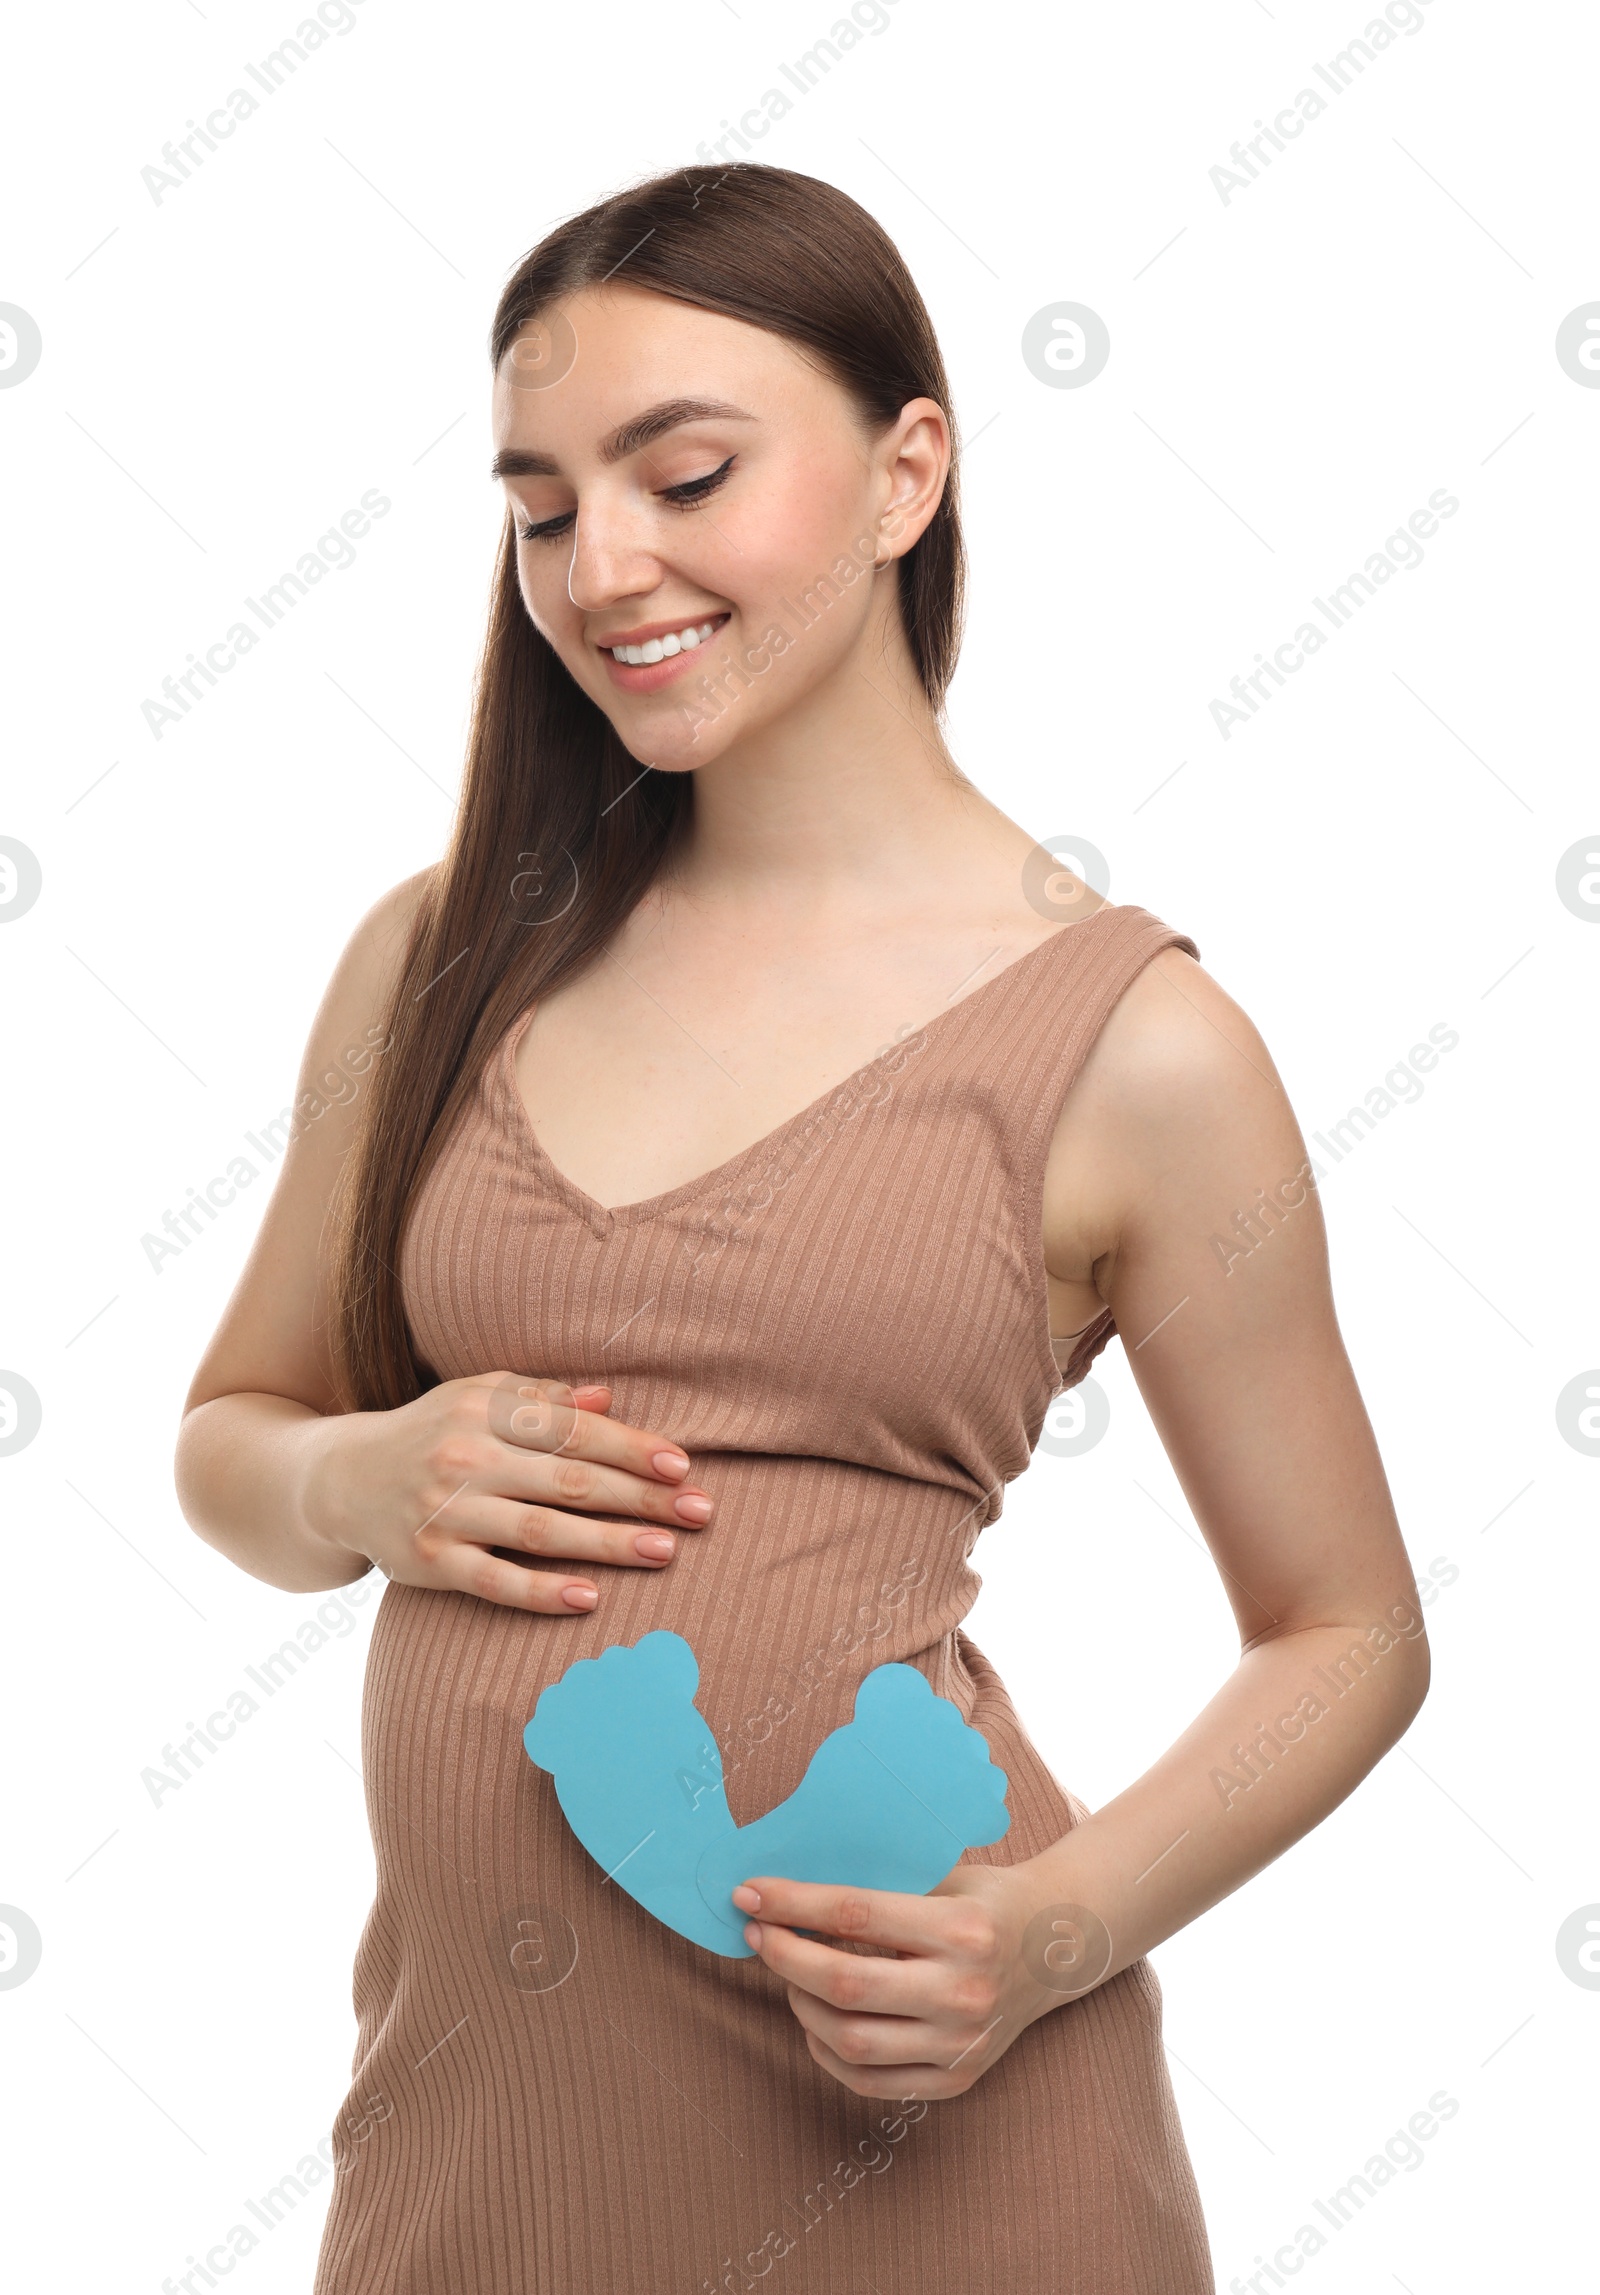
665,645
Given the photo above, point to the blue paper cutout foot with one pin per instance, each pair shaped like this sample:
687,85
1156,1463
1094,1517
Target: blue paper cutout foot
889,1801
638,1774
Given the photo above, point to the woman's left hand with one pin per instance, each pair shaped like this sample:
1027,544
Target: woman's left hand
929,2023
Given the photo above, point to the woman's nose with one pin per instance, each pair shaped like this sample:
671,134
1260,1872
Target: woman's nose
610,559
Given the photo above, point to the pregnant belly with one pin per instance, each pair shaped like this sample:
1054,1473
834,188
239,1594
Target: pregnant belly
811,1573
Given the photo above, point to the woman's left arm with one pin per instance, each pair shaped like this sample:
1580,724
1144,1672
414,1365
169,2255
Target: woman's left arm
1179,1180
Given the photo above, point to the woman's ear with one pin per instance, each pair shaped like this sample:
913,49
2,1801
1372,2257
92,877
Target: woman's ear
915,455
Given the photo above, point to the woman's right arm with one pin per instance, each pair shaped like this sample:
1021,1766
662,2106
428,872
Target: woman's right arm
306,1497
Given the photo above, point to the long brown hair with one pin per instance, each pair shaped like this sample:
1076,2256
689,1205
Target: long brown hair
558,831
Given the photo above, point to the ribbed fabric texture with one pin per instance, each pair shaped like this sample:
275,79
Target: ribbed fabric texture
847,1326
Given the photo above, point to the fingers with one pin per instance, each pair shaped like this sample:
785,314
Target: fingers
545,1531
902,2041
928,2023
895,2081
575,1481
545,1415
556,1447
851,1983
870,1916
506,1461
449,1548
468,1569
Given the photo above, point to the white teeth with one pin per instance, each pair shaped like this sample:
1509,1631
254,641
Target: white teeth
662,649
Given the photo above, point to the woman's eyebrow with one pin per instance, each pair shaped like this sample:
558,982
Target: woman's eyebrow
523,462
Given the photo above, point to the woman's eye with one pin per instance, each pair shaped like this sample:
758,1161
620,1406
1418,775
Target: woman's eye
548,529
681,497
695,490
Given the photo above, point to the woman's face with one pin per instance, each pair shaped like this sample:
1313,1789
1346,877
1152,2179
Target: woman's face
693,487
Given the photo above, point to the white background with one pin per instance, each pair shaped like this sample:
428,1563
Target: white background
1293,371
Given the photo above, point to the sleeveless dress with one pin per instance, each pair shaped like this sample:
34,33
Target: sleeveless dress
847,1327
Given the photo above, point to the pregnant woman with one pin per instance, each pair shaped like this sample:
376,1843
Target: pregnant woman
752,1130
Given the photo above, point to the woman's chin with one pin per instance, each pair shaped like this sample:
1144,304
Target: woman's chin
674,740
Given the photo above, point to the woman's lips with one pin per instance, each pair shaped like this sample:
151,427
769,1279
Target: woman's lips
649,676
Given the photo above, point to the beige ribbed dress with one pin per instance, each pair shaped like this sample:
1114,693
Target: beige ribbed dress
847,1327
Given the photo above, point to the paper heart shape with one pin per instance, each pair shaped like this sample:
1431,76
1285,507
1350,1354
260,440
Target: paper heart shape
890,1800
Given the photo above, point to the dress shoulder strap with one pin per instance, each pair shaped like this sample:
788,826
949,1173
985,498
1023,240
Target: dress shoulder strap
1037,1031
1068,1004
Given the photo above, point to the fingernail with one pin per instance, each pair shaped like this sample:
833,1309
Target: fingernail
579,1597
670,1462
748,1899
752,1935
694,1509
659,1545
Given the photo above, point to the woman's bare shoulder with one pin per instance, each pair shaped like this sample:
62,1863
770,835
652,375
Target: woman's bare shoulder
1178,1080
384,931
272,1338
1176,1043
370,962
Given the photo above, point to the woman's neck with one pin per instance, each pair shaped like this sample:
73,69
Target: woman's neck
839,804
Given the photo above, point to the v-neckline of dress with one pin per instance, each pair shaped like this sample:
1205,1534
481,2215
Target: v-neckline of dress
605,1219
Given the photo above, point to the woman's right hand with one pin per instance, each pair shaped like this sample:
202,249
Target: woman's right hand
428,1490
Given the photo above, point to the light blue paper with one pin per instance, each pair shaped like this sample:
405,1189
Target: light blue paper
638,1775
889,1801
